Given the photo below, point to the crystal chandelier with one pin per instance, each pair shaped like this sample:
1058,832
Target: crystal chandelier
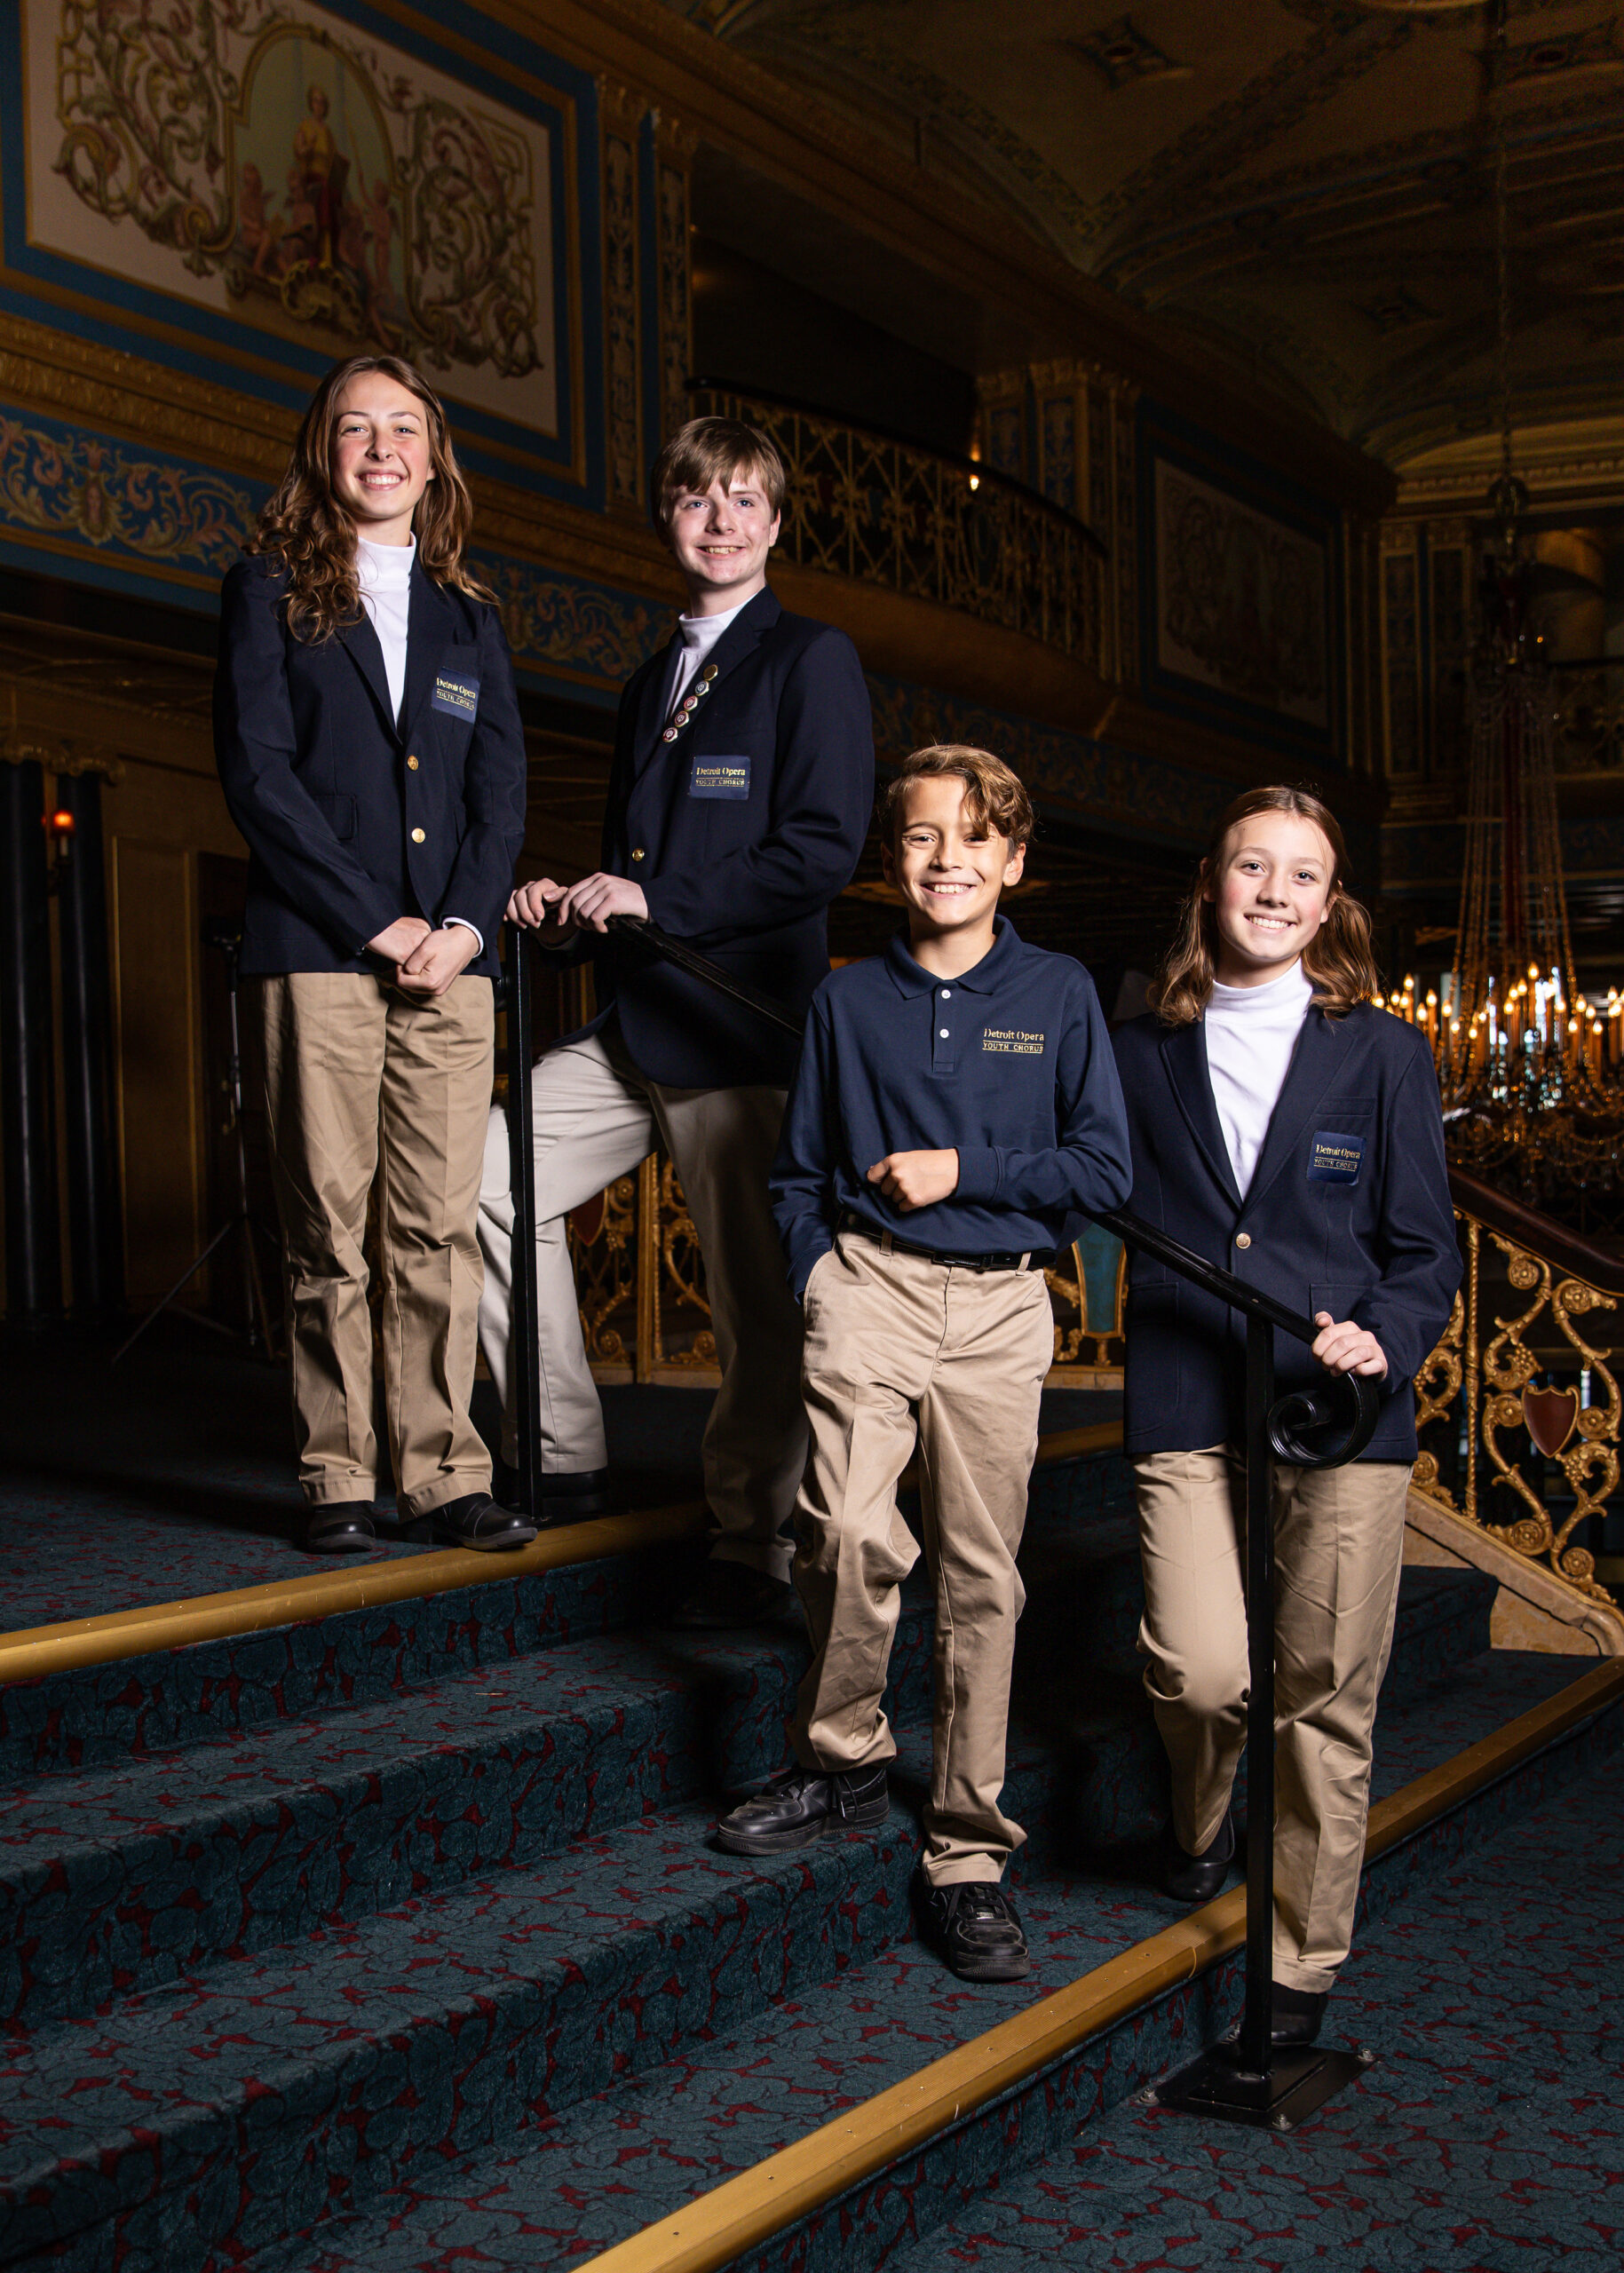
1530,1072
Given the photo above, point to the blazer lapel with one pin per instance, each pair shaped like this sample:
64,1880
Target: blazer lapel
428,626
1183,1053
645,728
1315,1063
741,639
361,644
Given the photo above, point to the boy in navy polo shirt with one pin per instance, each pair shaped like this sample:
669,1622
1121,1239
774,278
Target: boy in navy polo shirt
956,1103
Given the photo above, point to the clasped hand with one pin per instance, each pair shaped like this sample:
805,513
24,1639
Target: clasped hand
426,960
1347,1349
917,1179
557,911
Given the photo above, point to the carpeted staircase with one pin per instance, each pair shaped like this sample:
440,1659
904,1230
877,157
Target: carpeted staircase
396,1942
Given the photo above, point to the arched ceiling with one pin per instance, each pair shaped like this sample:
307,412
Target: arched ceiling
1306,183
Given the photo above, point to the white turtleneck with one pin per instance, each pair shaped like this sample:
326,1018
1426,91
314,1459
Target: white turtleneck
385,574
699,634
1251,1033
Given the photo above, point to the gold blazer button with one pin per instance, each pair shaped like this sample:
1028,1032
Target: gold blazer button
1243,1239
417,836
412,762
638,853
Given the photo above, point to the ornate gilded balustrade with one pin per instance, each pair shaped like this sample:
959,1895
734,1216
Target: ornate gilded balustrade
1519,1407
937,529
644,1310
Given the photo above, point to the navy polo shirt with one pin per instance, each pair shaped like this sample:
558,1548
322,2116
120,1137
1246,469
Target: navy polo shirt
1009,1062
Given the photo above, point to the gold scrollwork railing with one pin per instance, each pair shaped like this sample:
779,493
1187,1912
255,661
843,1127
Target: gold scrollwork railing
1518,1410
640,1282
937,528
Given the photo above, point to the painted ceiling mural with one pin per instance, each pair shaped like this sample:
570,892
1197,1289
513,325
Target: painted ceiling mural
1307,181
265,161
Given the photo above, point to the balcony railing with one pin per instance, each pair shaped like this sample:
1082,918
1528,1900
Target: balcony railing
870,506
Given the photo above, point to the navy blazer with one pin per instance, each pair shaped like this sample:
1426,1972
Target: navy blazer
740,832
319,776
1348,1211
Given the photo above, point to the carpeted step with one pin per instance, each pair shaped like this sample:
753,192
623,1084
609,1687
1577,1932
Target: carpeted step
601,2170
122,1879
64,1722
267,2087
1485,2136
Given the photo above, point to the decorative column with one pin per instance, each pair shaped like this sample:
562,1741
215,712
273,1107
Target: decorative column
94,1231
33,1239
623,347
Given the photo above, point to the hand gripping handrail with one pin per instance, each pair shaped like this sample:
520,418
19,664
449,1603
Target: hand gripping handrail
1324,1427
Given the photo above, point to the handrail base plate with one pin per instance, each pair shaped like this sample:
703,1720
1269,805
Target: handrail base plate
1297,2085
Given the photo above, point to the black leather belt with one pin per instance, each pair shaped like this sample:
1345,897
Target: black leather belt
1031,1259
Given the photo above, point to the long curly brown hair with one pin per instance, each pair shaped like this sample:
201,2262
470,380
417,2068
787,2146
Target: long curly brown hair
307,528
1338,959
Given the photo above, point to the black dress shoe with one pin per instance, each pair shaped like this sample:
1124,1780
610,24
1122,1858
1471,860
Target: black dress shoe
1196,1878
974,1928
800,1806
1295,2015
561,1498
733,1594
340,1527
475,1520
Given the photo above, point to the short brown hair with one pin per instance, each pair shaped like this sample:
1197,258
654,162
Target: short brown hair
993,796
1337,959
714,449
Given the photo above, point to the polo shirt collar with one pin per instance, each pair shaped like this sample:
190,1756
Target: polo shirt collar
910,978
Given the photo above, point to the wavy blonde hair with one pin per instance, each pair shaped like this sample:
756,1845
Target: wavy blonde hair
304,525
1338,959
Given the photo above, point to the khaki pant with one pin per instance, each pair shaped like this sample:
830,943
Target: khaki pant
892,1340
595,1117
1339,1550
363,1082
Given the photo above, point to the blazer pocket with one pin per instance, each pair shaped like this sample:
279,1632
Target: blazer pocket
340,812
1337,1296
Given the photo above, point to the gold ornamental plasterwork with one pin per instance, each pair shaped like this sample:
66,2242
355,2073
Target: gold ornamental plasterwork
1477,1408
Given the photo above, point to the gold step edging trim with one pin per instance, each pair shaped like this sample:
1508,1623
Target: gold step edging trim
746,2210
31,1651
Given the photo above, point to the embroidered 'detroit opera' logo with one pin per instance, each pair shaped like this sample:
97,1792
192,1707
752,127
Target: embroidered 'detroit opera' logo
459,698
1014,1042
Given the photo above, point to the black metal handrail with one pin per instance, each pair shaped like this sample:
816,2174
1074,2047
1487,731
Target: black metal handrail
1245,2081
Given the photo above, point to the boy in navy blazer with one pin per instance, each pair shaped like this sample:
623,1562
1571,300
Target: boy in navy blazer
739,795
1286,1128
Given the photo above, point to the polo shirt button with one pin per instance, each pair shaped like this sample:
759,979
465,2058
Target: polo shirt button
412,763
946,993
416,836
1243,1239
942,1031
638,853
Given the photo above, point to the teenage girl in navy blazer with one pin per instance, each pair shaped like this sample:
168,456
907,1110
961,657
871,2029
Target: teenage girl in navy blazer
370,746
1287,1128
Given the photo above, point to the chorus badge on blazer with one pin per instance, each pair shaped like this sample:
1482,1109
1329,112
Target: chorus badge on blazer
719,776
1335,1157
458,698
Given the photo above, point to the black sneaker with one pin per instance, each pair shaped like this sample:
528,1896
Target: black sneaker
1295,2015
730,1595
800,1806
340,1527
562,1498
475,1520
1196,1878
974,1928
